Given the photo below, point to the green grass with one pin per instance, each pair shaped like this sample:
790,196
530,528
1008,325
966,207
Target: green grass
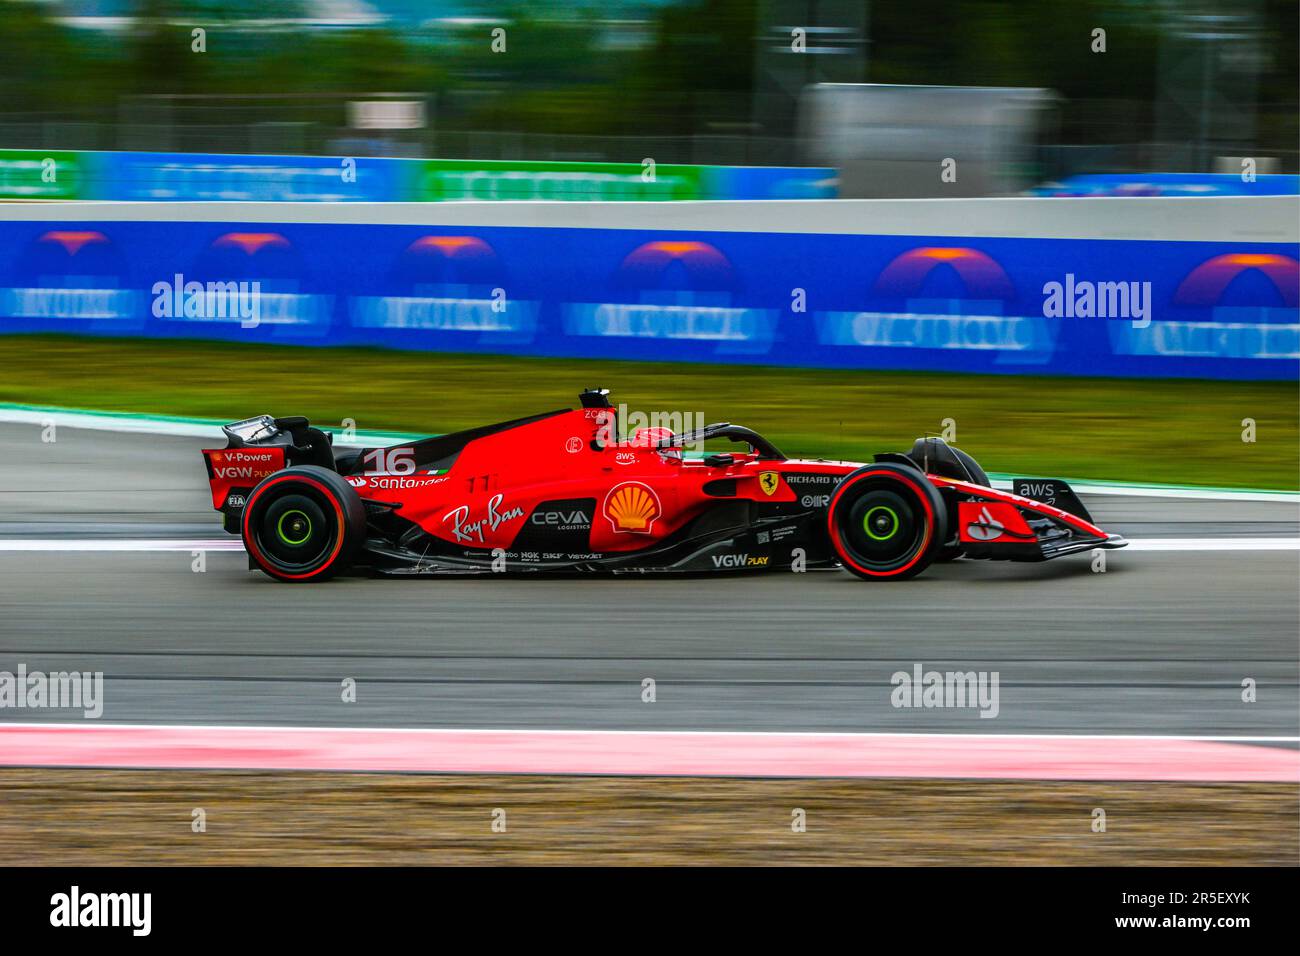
1176,431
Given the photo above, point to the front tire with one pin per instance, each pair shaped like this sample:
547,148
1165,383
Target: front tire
886,521
303,524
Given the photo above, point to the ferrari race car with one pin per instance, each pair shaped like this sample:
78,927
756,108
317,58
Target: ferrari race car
561,491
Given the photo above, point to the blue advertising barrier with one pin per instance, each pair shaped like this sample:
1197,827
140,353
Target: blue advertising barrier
1085,306
198,177
1172,184
172,177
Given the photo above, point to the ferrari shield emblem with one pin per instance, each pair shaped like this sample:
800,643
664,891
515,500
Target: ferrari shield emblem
769,481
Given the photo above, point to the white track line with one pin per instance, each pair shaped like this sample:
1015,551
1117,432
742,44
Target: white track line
120,544
1215,544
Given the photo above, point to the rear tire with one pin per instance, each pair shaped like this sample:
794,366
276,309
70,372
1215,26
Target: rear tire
886,521
303,524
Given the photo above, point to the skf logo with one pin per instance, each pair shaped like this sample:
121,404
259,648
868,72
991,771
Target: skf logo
769,481
631,508
988,528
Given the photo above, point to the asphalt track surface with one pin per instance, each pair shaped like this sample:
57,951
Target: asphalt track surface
1159,644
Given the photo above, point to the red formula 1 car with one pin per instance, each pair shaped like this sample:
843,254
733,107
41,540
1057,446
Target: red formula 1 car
561,492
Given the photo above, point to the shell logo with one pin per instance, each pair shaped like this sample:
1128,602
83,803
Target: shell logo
632,508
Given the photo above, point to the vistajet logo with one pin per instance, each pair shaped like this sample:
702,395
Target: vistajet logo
74,909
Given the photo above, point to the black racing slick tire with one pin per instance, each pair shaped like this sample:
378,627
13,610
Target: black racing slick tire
886,522
303,524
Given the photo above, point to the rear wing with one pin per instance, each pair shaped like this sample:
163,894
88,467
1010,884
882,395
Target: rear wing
257,447
234,472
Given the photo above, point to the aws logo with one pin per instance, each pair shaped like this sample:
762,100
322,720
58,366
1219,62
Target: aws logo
631,508
1206,284
981,276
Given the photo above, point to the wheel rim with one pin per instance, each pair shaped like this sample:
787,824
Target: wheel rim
293,530
880,523
882,526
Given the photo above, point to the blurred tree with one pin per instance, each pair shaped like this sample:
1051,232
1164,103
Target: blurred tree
34,54
702,52
570,70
